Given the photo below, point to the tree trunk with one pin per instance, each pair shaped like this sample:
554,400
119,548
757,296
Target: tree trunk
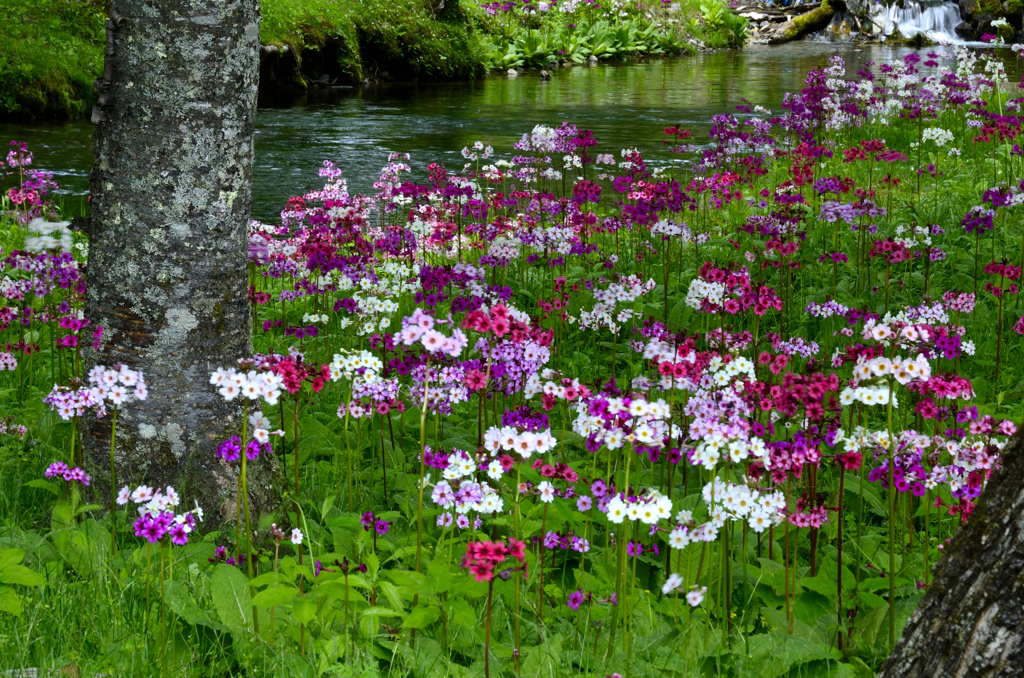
971,621
167,273
801,26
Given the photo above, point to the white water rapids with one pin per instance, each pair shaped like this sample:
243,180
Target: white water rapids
937,20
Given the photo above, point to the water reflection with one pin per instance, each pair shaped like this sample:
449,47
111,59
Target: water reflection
625,106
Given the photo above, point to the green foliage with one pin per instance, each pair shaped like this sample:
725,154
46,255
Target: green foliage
400,602
601,39
13,573
50,53
53,49
404,37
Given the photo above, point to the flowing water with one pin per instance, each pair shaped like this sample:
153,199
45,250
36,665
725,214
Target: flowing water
625,105
937,20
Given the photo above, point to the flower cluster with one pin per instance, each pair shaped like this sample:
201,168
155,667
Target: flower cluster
483,556
157,516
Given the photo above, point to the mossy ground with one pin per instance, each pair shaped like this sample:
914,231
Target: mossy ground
407,38
52,50
50,53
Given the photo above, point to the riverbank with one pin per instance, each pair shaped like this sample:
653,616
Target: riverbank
53,49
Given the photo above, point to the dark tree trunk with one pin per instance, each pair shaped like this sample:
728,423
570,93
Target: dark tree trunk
971,622
167,274
800,27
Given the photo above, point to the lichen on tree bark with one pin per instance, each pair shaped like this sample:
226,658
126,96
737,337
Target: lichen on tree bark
971,622
167,273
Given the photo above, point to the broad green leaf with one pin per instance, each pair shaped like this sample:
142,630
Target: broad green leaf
268,579
10,557
461,613
304,609
230,592
9,601
277,594
867,629
381,612
421,617
41,484
181,603
775,654
19,574
439,576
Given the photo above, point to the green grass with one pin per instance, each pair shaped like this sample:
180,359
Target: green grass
407,38
51,52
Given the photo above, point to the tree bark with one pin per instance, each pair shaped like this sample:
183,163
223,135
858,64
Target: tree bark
167,273
971,621
801,26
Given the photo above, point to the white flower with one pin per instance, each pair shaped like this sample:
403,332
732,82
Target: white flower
616,510
259,420
695,596
296,536
546,491
673,582
679,538
123,496
760,521
230,390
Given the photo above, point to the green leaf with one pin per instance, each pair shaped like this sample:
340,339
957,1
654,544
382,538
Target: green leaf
776,653
181,603
278,594
854,486
439,576
9,601
867,630
269,578
421,617
19,574
230,592
304,609
43,485
461,613
378,611
372,565
10,557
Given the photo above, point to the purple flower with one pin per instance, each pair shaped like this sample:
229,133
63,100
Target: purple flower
382,527
179,536
150,529
230,450
57,468
575,600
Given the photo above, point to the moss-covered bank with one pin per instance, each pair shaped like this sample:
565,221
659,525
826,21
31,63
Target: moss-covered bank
52,50
50,53
346,41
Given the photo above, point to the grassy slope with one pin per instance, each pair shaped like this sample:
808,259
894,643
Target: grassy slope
402,36
50,53
52,50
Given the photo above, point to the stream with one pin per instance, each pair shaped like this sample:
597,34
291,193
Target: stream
625,105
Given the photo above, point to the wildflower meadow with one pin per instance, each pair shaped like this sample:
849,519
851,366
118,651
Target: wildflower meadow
562,411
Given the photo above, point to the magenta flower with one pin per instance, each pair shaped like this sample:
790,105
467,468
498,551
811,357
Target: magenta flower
179,535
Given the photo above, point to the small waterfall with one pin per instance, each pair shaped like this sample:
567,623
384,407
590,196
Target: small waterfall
937,20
